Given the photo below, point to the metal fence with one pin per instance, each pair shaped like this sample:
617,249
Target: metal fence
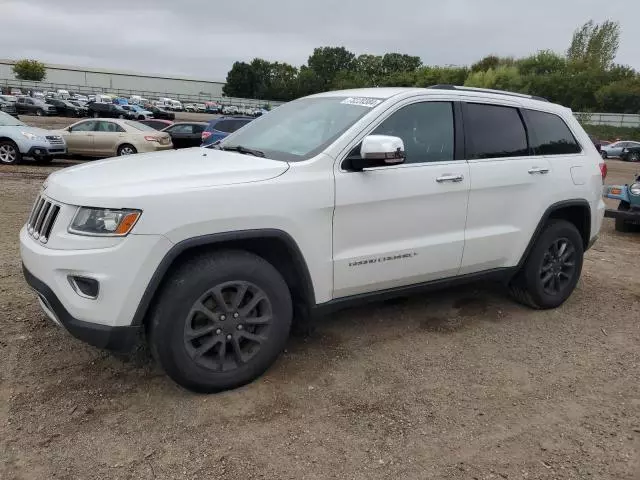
613,119
26,85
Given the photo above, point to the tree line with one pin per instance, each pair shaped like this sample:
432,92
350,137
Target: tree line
584,78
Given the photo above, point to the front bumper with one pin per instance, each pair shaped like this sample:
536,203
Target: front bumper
632,215
123,267
102,336
42,151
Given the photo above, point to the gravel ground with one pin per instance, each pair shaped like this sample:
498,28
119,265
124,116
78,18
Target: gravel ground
460,384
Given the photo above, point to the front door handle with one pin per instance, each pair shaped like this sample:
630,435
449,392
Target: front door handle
537,170
448,177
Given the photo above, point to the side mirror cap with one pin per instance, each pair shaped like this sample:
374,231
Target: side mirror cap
378,151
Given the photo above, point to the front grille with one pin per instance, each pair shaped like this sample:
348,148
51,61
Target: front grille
42,218
55,139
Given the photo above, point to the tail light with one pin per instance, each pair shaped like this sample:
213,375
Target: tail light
603,170
205,135
150,138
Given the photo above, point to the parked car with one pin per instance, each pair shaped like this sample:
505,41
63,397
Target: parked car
189,107
186,134
200,107
8,107
34,106
615,149
631,153
110,137
230,110
80,98
329,200
219,128
66,108
139,112
161,113
628,212
108,110
156,123
212,107
18,140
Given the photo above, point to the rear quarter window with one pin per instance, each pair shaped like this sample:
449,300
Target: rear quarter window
549,134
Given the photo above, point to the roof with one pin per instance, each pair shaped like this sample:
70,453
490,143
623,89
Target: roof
385,93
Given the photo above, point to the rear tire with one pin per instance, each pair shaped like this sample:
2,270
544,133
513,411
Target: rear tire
603,154
9,153
634,157
126,149
552,269
208,345
39,112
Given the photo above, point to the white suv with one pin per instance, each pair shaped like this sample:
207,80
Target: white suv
331,199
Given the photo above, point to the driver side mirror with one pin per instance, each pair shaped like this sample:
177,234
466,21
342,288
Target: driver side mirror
378,151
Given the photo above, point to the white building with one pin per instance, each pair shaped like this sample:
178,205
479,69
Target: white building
95,80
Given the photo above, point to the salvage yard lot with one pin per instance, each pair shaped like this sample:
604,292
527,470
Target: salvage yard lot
462,383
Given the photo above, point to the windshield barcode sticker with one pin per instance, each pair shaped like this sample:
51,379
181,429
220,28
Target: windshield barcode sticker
362,101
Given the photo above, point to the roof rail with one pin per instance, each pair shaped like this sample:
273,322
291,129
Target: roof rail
486,90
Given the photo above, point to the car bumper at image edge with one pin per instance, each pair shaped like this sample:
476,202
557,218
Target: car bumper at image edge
102,336
631,215
46,151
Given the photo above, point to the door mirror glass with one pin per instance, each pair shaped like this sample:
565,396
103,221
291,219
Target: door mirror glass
379,151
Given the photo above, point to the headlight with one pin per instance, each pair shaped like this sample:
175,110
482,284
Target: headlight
32,136
103,221
634,189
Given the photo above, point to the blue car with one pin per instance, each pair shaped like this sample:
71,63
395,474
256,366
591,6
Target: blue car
218,128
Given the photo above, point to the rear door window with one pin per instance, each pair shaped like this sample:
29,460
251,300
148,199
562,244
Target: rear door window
549,134
494,131
224,126
88,126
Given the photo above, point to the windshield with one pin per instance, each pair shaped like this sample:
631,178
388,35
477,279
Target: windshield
7,120
141,126
301,129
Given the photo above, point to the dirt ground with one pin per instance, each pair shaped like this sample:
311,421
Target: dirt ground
459,384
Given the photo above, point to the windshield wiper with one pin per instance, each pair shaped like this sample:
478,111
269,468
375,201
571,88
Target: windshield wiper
244,150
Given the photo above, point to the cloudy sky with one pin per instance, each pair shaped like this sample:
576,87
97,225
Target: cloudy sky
202,38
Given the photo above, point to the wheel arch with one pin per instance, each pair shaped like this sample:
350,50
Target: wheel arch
576,211
275,246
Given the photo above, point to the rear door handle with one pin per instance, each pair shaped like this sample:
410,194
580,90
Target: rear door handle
448,177
537,170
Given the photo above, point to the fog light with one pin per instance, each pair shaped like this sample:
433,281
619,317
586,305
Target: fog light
84,286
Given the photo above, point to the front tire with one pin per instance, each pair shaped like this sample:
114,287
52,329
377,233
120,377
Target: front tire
39,112
622,225
9,153
552,269
603,154
222,320
634,157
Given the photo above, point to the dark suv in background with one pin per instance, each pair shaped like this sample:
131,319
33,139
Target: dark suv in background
218,128
34,106
66,108
108,110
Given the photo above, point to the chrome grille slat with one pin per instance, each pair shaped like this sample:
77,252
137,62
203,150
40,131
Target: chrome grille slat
42,218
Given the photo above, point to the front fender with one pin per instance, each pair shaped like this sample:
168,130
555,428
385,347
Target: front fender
617,192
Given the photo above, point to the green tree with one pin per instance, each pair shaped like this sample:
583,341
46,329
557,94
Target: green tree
595,45
308,82
399,62
500,78
542,63
326,62
240,81
486,63
283,82
620,97
427,76
370,66
30,70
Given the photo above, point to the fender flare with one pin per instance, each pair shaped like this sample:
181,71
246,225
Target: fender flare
212,240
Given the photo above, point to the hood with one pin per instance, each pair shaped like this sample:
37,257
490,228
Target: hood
35,130
121,178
